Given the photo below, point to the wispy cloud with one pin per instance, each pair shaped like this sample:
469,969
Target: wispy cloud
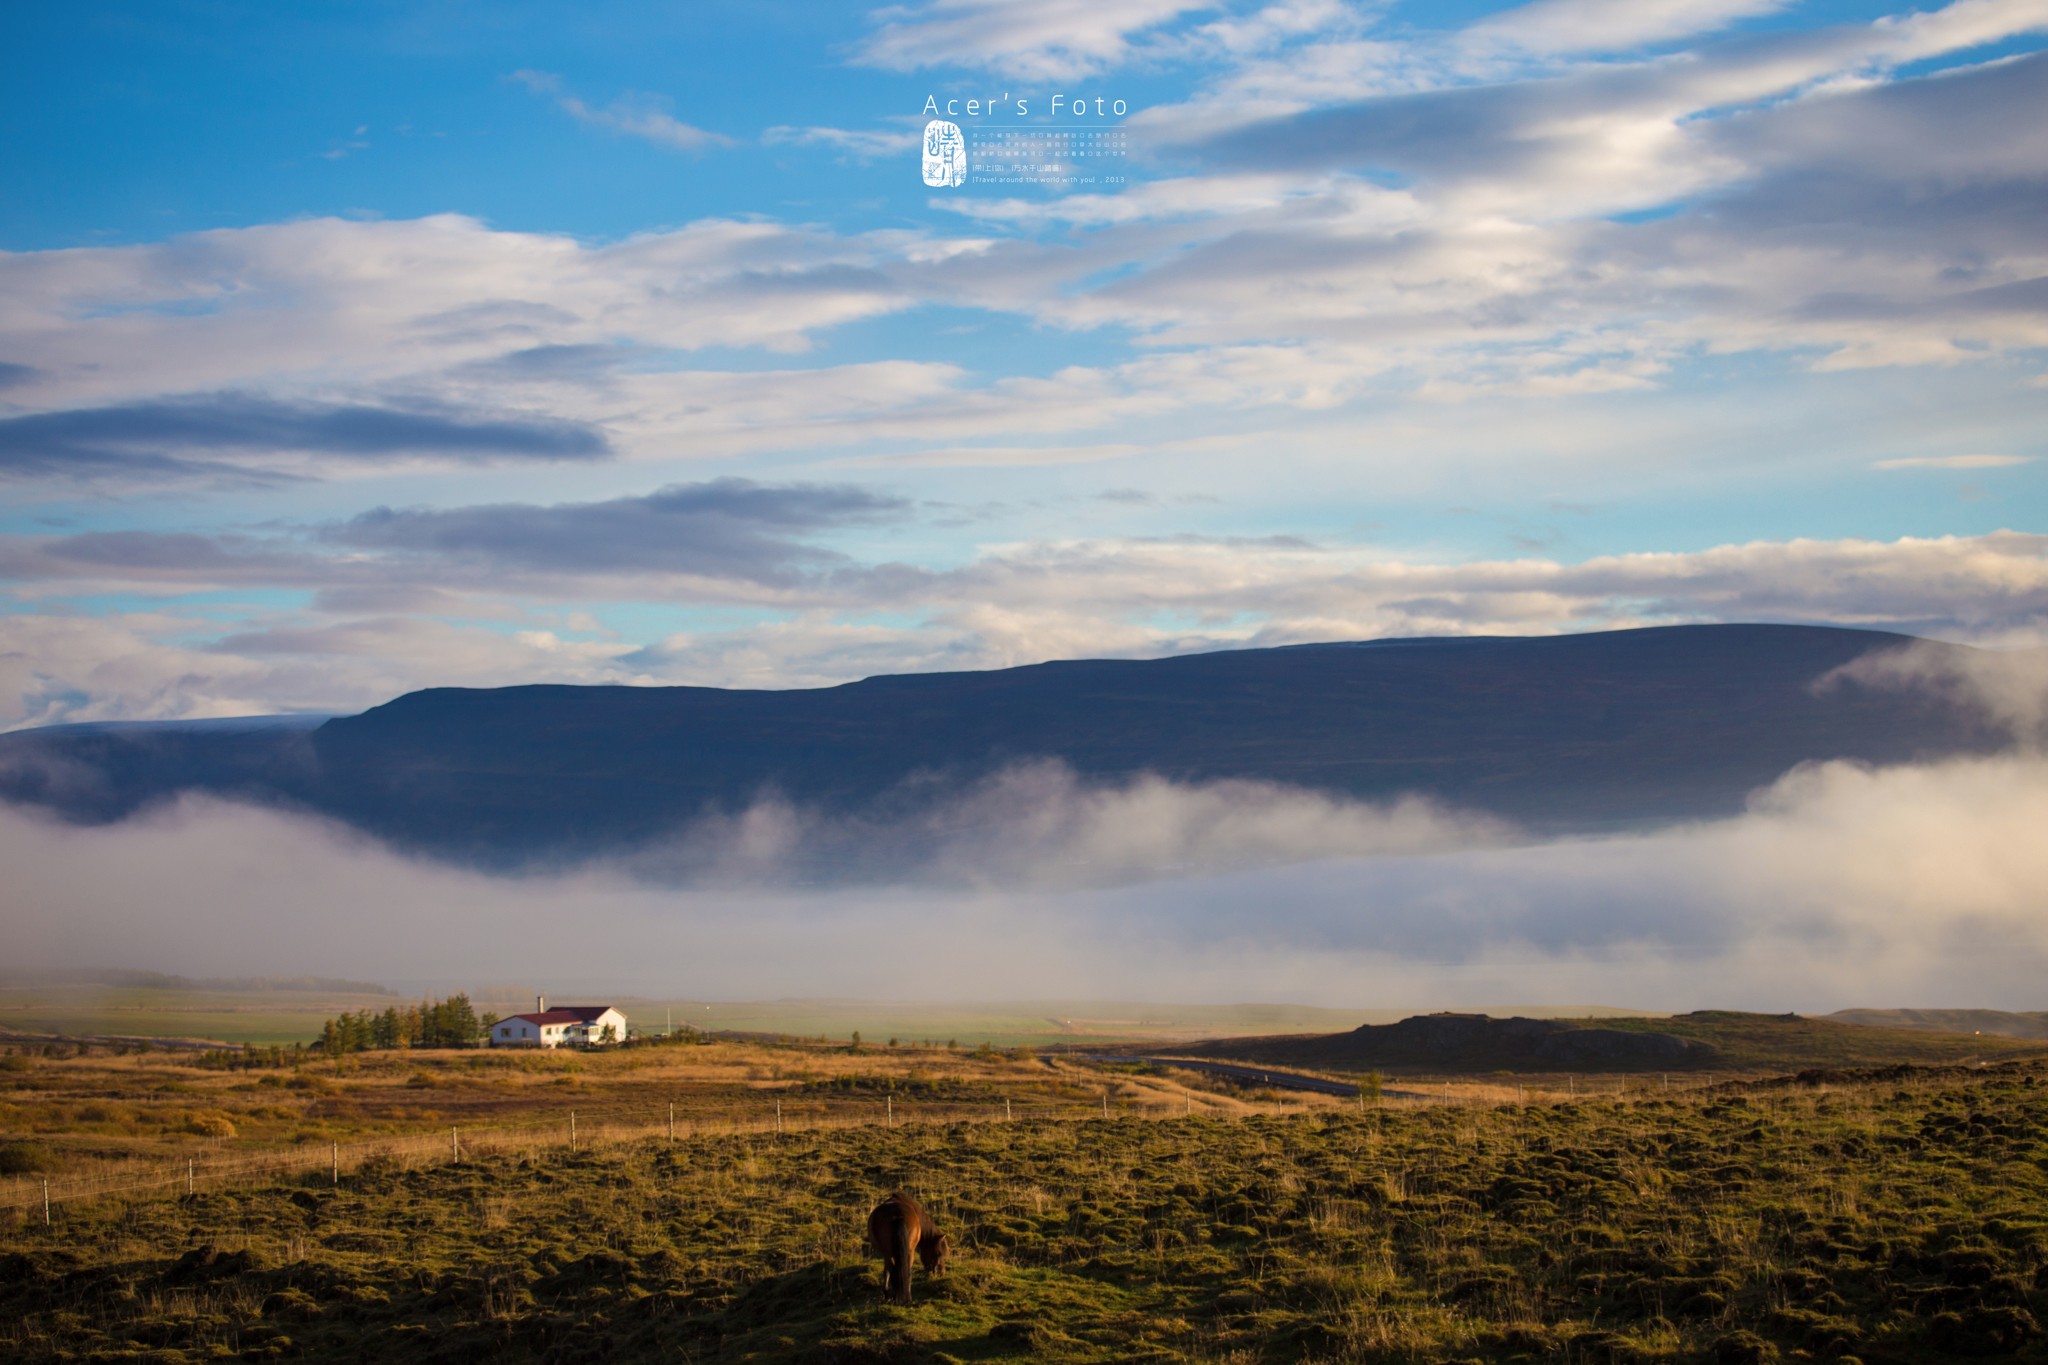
862,144
1955,462
633,114
727,528
138,441
1025,39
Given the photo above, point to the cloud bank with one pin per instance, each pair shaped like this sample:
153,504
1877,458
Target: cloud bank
1841,886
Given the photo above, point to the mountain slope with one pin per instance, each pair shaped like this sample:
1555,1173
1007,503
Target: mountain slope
1561,733
1711,1040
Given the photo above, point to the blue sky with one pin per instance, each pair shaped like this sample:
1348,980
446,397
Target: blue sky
351,349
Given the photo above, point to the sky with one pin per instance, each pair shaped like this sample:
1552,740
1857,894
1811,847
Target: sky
352,349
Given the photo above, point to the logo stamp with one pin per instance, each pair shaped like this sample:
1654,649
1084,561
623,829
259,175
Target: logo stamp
945,154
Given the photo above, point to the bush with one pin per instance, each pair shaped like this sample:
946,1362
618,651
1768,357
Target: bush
24,1158
211,1125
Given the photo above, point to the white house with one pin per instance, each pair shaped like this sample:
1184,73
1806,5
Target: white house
570,1025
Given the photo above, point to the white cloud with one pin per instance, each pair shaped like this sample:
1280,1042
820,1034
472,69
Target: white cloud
327,305
2009,688
1025,39
1954,462
1561,26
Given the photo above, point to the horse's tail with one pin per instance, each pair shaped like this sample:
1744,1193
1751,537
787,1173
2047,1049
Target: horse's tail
905,1235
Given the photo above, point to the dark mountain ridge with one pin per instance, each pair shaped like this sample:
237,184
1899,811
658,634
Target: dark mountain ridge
1476,1042
1703,1040
1560,733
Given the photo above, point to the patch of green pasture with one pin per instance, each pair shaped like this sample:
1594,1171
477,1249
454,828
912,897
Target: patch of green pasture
262,1017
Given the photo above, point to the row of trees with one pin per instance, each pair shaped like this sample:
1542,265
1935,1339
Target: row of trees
440,1023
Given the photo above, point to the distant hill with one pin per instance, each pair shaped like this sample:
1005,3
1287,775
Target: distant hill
162,981
2000,1023
1562,734
1722,1040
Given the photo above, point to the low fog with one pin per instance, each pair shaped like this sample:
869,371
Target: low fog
1840,886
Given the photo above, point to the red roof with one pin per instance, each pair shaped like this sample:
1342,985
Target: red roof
566,1014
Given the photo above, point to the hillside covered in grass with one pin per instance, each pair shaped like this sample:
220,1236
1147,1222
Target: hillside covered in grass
1706,1040
1895,1216
2004,1023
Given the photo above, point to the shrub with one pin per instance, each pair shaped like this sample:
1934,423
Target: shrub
210,1125
24,1158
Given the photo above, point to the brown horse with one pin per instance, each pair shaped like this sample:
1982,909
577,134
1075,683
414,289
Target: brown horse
898,1226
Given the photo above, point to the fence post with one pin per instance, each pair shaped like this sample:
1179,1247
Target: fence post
778,1116
671,1120
1105,1104
454,1146
572,1130
335,1153
188,1175
1006,1109
889,1108
46,1201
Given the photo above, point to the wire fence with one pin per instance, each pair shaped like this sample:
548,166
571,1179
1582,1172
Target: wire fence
571,1129
582,1128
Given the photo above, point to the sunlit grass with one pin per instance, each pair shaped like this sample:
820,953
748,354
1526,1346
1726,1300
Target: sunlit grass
1901,1216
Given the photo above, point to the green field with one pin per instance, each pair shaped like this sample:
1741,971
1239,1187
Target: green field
1889,1217
215,1015
1003,1023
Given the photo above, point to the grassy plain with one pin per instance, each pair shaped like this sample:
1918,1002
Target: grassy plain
230,1014
224,1015
102,1117
1886,1216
